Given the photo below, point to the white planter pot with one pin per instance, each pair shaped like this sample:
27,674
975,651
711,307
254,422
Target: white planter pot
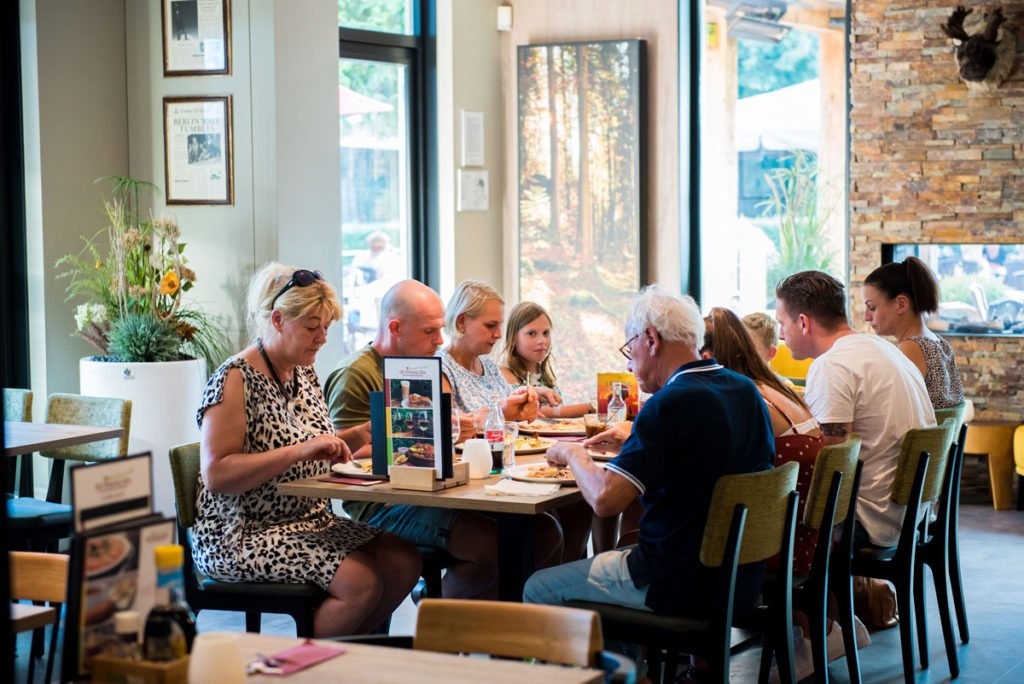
164,399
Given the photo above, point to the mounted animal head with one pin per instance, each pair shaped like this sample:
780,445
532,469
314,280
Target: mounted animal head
985,59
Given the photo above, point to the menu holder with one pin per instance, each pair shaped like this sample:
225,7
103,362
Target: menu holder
109,492
411,418
422,480
108,670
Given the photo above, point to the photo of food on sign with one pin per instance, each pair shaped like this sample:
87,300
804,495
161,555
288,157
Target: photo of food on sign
413,452
410,393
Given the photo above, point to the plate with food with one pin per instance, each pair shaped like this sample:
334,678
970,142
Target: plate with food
527,444
602,455
106,554
561,427
362,466
542,472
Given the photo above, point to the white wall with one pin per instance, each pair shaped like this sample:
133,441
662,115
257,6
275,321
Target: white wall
76,131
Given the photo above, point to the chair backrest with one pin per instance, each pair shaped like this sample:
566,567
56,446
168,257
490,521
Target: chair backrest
766,496
935,441
834,458
185,473
554,634
18,405
956,412
784,364
75,409
38,576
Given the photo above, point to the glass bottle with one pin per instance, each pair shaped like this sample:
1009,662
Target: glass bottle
126,626
616,405
494,433
171,624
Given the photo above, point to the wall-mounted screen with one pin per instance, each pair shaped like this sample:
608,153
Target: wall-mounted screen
981,285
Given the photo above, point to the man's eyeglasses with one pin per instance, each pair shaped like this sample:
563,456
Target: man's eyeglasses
624,349
302,278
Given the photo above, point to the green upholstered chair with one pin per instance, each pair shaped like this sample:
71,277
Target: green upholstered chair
36,524
752,517
920,472
831,502
18,408
299,601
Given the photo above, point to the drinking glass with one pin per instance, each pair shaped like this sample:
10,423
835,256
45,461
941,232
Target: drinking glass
456,427
216,659
423,422
508,454
594,423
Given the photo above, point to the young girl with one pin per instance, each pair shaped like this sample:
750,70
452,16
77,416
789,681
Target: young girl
527,359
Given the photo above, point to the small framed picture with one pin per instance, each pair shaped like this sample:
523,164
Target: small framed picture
197,37
198,150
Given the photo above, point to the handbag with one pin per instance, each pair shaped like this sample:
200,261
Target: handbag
874,602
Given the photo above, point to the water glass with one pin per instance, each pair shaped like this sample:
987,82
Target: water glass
594,424
508,455
216,659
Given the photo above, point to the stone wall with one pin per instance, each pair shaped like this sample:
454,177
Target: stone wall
932,161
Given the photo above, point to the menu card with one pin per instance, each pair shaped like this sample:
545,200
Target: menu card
412,420
111,491
630,391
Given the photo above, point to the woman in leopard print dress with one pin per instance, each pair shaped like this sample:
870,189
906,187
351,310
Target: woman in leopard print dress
264,421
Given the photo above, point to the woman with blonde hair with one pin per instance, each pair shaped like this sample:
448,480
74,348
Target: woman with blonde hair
526,359
264,421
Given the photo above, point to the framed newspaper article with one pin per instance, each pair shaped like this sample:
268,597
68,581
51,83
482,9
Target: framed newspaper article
197,37
198,150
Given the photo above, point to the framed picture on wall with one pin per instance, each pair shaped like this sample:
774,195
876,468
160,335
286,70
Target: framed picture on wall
582,194
197,37
198,150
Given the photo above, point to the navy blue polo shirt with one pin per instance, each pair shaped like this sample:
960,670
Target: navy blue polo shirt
706,422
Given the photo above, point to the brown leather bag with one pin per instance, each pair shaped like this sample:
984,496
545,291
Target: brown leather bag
874,602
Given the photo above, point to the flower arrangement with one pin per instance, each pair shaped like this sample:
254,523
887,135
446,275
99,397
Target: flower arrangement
133,309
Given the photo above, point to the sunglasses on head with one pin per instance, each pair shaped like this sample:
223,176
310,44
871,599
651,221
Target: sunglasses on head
302,278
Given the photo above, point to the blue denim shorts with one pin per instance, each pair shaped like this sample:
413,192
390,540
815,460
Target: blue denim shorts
416,524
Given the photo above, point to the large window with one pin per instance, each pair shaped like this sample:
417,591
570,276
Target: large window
382,111
773,147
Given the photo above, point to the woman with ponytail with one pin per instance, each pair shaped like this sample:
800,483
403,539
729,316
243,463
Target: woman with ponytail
897,297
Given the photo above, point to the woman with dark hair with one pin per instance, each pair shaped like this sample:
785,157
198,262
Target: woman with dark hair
896,298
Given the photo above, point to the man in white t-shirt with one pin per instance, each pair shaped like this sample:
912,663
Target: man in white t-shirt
857,383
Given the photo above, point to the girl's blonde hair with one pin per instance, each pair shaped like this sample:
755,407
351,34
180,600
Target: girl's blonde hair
295,303
469,298
522,315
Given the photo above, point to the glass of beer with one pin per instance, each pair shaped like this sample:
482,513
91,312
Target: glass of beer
595,423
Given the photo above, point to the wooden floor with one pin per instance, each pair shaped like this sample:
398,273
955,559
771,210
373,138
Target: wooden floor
992,557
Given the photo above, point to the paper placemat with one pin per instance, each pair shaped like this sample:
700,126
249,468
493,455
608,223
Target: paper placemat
514,488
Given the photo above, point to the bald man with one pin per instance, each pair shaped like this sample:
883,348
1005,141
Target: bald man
411,320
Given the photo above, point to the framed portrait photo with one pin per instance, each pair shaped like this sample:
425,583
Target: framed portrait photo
198,150
197,37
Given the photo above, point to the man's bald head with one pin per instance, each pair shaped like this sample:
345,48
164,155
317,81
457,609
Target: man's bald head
411,320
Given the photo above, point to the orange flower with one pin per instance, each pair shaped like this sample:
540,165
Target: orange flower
170,283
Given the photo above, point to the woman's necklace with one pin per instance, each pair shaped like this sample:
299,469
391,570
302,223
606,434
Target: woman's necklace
288,397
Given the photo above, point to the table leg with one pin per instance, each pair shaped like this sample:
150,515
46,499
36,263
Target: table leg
1000,473
516,539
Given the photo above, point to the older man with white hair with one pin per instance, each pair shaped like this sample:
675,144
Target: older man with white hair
703,422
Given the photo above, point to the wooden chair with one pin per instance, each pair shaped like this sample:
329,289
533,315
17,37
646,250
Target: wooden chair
962,412
752,517
252,598
18,407
933,551
40,577
831,501
552,634
37,524
920,470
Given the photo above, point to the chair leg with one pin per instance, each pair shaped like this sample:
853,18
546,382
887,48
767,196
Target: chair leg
819,647
765,669
54,628
842,589
940,576
955,582
920,617
252,621
905,603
